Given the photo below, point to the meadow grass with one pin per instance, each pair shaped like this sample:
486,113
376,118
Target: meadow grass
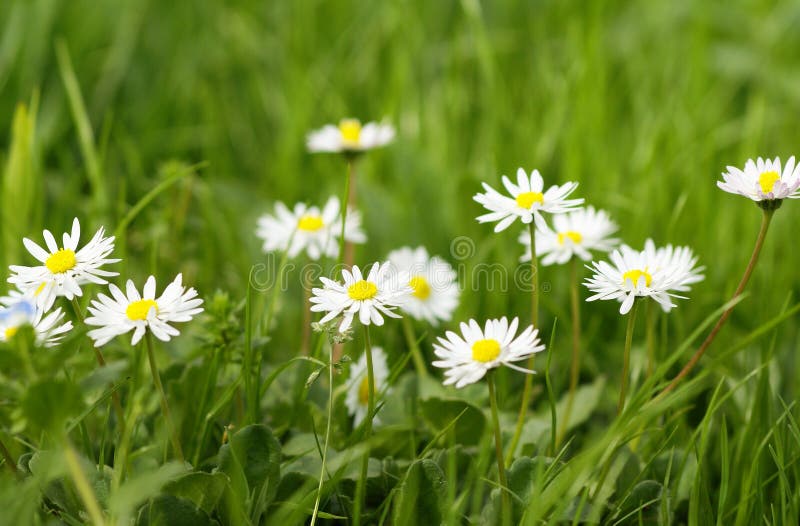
176,124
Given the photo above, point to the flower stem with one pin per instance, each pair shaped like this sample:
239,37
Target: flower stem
650,327
344,261
762,234
327,440
82,485
575,367
626,357
528,386
416,353
505,510
305,344
173,432
361,484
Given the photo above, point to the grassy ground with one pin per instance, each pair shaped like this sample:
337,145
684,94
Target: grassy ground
643,103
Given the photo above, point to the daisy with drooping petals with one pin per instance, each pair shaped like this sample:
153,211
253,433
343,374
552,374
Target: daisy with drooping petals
357,399
648,273
308,228
64,269
433,282
573,234
122,313
467,357
349,137
763,180
527,200
49,330
371,298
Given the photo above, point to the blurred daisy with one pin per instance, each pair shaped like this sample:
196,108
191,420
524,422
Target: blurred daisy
763,180
349,136
64,269
49,330
653,273
357,399
573,234
308,228
467,357
527,200
122,313
433,281
370,298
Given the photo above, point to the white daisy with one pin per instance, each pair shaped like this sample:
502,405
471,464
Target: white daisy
122,313
763,180
467,357
528,200
349,136
49,330
653,273
573,234
64,269
357,399
370,298
309,228
433,282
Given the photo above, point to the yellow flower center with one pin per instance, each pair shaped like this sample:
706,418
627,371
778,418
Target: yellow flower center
421,287
767,181
310,223
138,310
350,130
363,391
10,332
485,350
576,237
635,274
526,199
61,261
362,290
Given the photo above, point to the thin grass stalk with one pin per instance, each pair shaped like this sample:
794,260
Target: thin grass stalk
361,485
505,502
173,431
327,440
626,357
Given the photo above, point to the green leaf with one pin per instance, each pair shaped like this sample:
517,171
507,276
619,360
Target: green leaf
643,504
139,488
204,489
420,496
469,427
47,404
169,510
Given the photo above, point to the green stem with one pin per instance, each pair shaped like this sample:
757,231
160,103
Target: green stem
413,346
82,485
362,480
575,367
173,432
505,510
626,357
762,235
344,205
327,440
650,328
527,389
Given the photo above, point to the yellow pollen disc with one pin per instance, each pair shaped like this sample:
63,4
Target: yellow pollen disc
421,287
310,223
363,391
767,181
526,199
40,289
138,310
10,332
362,290
61,261
485,350
350,130
576,237
635,274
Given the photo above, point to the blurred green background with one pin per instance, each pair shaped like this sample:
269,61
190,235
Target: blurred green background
643,103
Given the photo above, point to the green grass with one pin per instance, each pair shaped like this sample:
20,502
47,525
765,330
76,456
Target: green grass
176,124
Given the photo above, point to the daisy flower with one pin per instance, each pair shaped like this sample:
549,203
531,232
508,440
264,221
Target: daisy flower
357,399
654,273
49,330
763,179
349,137
467,357
371,298
64,269
122,313
527,200
573,235
309,228
433,282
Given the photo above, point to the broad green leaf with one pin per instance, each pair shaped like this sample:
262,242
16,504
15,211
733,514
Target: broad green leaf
420,496
169,510
47,404
204,489
470,425
139,488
